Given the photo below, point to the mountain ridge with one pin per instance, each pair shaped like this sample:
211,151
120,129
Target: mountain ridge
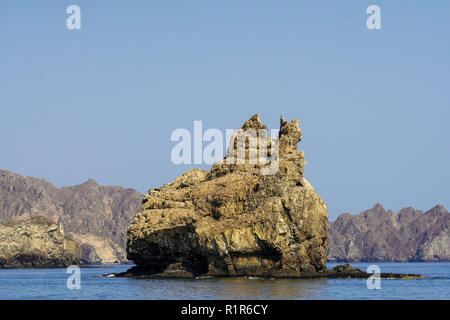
377,235
93,215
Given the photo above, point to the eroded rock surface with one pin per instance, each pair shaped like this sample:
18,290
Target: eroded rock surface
36,243
232,220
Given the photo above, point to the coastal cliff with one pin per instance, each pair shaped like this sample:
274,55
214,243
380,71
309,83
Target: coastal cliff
232,220
36,243
379,235
95,216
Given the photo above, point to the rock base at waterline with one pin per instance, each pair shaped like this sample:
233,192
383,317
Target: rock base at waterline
345,271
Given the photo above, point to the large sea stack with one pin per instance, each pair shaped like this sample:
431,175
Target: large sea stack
233,220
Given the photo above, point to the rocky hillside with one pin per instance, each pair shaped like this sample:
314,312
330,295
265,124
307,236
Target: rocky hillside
233,220
380,235
36,243
95,216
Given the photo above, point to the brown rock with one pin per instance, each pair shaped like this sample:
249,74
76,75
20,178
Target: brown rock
232,220
36,243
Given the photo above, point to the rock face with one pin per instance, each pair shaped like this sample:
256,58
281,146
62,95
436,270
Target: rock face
380,235
95,216
36,243
232,220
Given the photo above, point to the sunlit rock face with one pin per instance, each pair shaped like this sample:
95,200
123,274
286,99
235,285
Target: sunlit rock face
233,220
36,243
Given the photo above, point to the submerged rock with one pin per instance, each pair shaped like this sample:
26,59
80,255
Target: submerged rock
348,271
36,243
345,271
233,220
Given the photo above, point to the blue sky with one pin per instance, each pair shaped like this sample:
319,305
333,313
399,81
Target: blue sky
102,102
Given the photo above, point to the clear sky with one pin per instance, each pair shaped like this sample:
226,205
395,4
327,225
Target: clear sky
102,102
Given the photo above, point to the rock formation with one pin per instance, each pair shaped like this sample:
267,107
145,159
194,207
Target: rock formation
380,235
95,216
233,220
36,243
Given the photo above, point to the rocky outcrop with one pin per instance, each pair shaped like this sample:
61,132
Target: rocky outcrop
345,271
95,216
36,243
380,235
233,220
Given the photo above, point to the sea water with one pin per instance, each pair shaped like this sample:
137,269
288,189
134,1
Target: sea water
53,284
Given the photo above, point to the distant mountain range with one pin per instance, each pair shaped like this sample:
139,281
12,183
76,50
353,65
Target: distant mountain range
97,217
380,235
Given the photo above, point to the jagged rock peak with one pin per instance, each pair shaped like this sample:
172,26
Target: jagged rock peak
264,150
290,135
438,208
253,123
378,207
91,182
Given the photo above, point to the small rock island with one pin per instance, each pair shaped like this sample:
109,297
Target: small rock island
36,243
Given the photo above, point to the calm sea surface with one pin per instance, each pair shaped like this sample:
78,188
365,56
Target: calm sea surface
52,284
